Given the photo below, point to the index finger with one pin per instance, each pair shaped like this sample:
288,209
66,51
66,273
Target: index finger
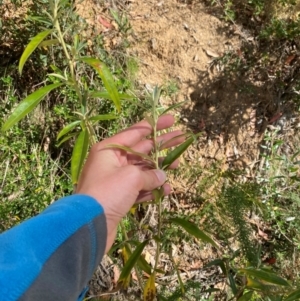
138,131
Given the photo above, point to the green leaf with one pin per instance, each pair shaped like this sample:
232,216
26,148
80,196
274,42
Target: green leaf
142,263
246,297
256,285
131,262
156,95
34,43
27,105
107,79
59,76
165,144
79,154
295,295
67,129
129,150
232,284
48,43
193,230
56,69
175,106
66,138
217,262
150,289
176,153
180,281
106,95
266,276
158,193
150,120
103,117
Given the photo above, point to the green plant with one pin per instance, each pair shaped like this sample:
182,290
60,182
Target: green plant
278,180
281,29
237,201
133,258
72,78
227,202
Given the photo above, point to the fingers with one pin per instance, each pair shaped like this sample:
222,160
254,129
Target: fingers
152,179
146,196
137,132
168,139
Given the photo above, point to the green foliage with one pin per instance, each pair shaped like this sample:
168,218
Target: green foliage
293,296
35,42
193,230
177,152
52,123
132,260
192,289
238,201
72,79
281,29
265,276
27,105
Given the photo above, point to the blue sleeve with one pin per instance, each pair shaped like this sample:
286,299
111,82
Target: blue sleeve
53,256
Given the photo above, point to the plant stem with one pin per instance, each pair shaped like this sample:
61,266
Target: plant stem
156,155
63,44
158,234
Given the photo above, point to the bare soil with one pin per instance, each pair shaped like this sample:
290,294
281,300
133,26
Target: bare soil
175,41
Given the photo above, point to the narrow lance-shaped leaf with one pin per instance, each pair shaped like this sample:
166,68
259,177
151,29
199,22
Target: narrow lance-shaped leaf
103,117
126,255
79,154
129,150
295,295
150,289
156,95
66,138
180,281
175,106
176,153
263,275
131,262
150,120
246,297
67,129
106,95
27,105
142,263
158,193
34,43
193,230
107,79
167,143
232,284
257,285
59,76
217,262
48,43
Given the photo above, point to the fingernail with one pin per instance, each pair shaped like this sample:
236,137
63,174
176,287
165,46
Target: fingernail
161,175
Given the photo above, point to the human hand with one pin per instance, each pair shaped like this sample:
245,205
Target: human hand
117,180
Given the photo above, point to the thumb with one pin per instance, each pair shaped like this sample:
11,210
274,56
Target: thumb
152,179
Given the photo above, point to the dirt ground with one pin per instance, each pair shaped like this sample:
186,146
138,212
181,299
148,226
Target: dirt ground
177,42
